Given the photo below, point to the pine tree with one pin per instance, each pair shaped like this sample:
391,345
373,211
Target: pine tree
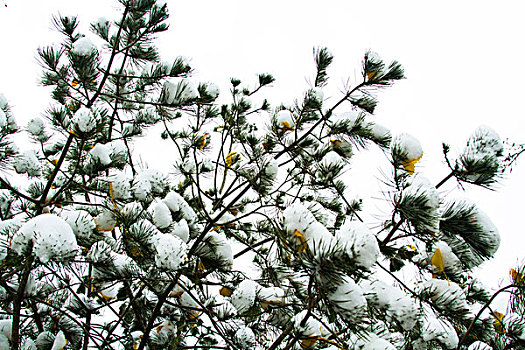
250,241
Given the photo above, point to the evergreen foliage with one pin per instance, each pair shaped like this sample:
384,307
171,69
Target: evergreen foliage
250,241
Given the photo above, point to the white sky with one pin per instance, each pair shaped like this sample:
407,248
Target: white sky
462,59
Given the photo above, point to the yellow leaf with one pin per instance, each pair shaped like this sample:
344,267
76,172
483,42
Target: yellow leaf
106,297
111,191
498,325
437,261
232,158
370,75
195,315
286,126
303,245
201,141
225,291
136,343
134,251
517,277
201,266
410,164
308,342
74,83
412,247
112,195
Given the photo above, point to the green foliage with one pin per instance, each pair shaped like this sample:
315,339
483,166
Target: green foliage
323,59
254,239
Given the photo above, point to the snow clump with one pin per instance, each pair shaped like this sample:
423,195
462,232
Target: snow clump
451,263
215,247
180,92
373,342
182,230
83,47
285,120
440,330
271,168
348,300
35,126
312,327
105,220
243,297
490,235
245,338
177,204
3,119
100,154
483,147
331,159
212,90
170,251
479,345
306,231
84,120
161,215
397,304
270,295
50,235
120,185
378,131
316,94
350,117
28,162
445,294
147,182
81,222
359,243
407,150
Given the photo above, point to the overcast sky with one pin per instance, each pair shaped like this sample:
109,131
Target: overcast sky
463,62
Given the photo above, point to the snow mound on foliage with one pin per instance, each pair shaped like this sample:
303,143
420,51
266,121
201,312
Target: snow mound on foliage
50,235
359,243
243,297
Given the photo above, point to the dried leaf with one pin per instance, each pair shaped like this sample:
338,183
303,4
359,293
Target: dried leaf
517,277
437,261
498,323
302,246
232,158
410,164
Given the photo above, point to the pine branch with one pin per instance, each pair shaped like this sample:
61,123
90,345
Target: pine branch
487,304
15,191
398,224
156,311
111,58
17,303
321,120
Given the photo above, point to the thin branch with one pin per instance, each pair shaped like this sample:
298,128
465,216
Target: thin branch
487,304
